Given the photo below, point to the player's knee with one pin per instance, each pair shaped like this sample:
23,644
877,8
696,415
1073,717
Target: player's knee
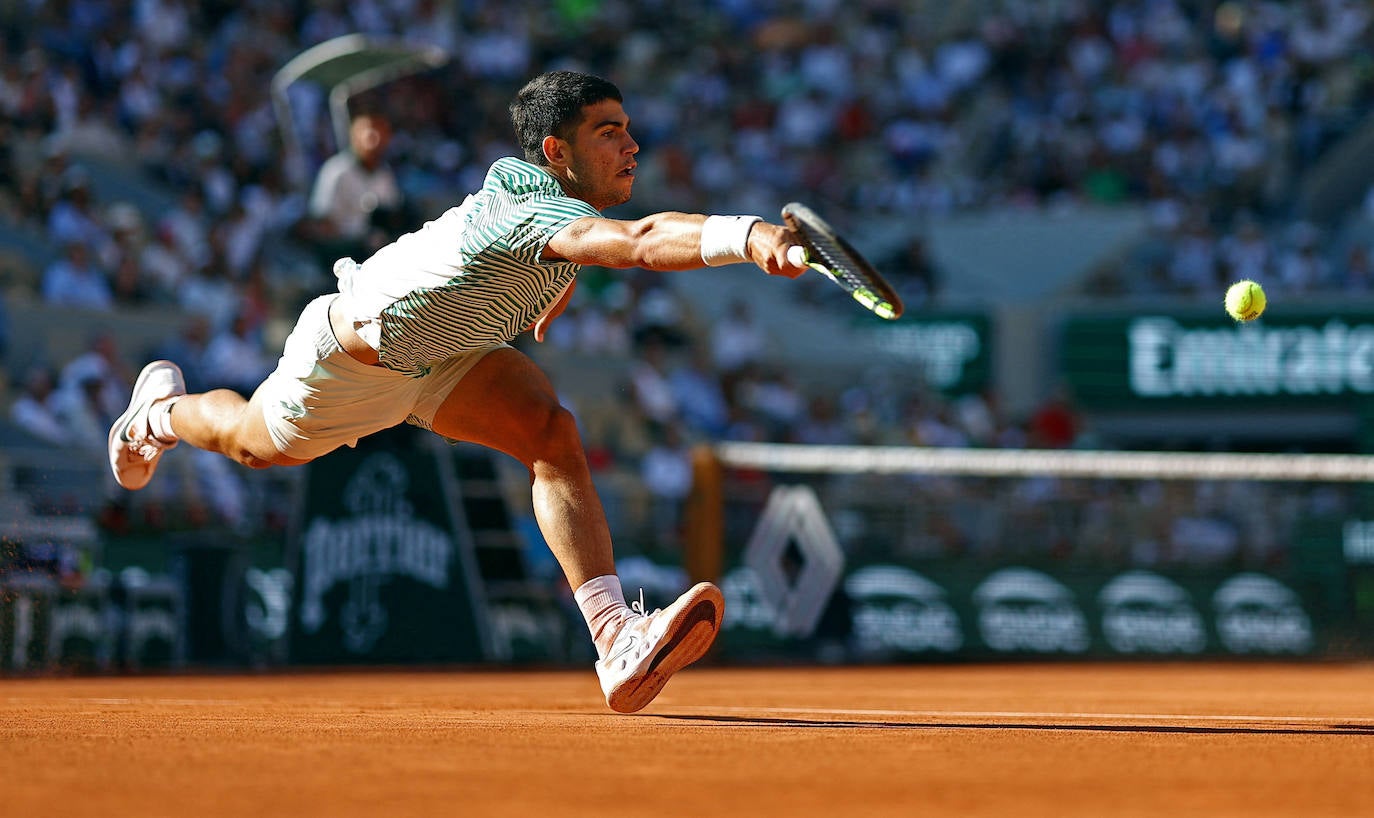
558,435
560,427
245,453
247,458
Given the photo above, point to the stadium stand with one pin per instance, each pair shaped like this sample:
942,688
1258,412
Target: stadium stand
1194,141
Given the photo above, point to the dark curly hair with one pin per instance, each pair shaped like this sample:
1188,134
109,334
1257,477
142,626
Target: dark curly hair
551,105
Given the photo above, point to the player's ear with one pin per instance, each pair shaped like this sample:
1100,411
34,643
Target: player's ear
555,151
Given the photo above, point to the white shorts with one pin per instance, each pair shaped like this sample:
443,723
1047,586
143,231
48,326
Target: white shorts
319,398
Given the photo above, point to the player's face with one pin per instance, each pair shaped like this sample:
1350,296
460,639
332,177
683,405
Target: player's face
601,164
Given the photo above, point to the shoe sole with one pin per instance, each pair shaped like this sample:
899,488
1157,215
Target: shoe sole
123,423
695,629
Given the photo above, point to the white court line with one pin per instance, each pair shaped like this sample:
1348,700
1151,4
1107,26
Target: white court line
112,701
1005,714
164,702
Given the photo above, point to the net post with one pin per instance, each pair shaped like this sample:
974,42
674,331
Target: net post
703,557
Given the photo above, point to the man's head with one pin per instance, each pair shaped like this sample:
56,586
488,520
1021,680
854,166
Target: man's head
552,105
575,126
368,136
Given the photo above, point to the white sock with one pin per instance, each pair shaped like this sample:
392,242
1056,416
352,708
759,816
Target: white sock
602,603
160,419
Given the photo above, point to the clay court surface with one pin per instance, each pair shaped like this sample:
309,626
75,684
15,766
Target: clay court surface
969,740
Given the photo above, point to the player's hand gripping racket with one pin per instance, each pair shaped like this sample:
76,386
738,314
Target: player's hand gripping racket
826,252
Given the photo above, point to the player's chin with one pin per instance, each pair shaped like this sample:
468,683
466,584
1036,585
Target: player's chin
622,193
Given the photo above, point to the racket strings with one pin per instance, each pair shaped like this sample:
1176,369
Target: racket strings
844,273
838,262
832,256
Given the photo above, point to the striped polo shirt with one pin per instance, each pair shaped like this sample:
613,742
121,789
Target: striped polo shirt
469,279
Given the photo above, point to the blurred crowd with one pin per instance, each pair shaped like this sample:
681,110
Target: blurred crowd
1206,113
1173,525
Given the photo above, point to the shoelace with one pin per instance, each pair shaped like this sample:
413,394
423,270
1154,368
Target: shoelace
638,607
148,448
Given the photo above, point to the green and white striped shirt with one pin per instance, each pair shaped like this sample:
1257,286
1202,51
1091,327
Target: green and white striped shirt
469,279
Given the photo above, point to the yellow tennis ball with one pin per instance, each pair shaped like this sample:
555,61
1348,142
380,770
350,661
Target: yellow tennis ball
1245,300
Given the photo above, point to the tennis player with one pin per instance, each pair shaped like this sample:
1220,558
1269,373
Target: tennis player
420,333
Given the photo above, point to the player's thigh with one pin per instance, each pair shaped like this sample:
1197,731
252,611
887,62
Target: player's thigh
254,435
505,402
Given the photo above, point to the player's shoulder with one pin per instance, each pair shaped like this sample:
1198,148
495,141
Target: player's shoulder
516,185
518,177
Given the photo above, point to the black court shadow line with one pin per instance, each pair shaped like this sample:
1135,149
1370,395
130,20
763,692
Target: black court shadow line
764,721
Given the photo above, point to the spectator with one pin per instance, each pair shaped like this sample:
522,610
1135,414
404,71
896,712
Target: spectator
187,348
356,204
78,405
914,274
936,426
666,470
210,292
772,393
736,340
1193,268
186,223
235,358
697,390
823,425
238,239
211,173
164,267
1055,424
72,218
653,393
74,281
33,409
658,314
102,363
4,327
1246,252
127,285
1302,268
603,330
1358,272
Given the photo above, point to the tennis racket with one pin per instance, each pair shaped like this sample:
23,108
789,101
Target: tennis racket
826,252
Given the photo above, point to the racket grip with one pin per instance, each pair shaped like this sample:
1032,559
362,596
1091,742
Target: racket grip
797,255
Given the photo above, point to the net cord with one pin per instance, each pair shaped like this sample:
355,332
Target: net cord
796,458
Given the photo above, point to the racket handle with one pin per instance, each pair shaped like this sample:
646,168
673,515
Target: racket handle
797,255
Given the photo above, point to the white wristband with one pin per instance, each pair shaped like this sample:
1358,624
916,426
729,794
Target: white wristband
725,239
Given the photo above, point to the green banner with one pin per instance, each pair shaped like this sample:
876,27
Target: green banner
154,619
94,625
83,626
26,619
1188,360
381,574
885,611
951,351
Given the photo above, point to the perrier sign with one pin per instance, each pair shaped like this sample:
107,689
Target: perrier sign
1178,361
379,572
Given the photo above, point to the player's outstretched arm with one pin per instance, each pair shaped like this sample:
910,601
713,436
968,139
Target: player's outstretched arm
677,241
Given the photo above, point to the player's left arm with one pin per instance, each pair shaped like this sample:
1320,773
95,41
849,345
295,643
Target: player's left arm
674,241
541,324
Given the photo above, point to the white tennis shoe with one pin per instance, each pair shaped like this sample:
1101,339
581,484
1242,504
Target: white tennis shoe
134,451
650,648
